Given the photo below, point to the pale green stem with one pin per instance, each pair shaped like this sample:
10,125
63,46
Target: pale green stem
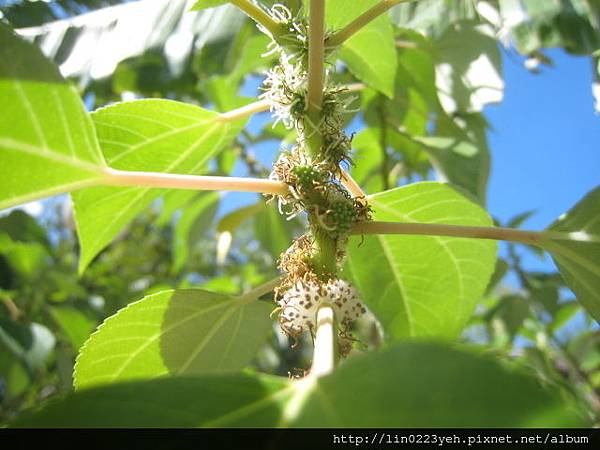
195,182
537,238
361,21
257,14
316,56
325,257
325,352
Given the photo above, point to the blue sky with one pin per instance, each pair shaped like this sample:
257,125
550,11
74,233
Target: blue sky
545,142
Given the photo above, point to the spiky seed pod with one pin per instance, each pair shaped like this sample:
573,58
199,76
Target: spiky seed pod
300,303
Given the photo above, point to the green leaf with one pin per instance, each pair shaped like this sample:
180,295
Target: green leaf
183,332
22,227
408,385
579,260
145,135
233,220
422,285
206,4
370,54
246,400
26,258
432,17
274,231
458,162
47,141
428,385
468,68
75,324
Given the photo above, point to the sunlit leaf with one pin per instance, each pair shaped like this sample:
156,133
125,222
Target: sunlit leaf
408,385
43,127
145,135
183,332
196,219
371,53
579,260
422,285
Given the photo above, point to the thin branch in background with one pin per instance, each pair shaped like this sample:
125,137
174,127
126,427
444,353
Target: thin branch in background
196,182
383,144
361,21
13,310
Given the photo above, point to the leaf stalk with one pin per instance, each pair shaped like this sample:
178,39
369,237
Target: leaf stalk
362,21
195,182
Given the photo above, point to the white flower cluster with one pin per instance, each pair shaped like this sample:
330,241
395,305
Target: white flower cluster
299,305
285,89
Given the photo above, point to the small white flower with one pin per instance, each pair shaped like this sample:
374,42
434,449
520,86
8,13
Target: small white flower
285,85
299,305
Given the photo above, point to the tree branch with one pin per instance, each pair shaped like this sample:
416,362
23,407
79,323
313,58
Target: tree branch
361,21
259,16
537,238
206,183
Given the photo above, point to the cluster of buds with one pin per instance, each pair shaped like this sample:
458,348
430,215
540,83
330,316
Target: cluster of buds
314,184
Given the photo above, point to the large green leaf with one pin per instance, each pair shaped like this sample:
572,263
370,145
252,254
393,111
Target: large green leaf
183,332
246,400
47,141
422,285
370,53
132,30
144,135
579,260
409,385
429,385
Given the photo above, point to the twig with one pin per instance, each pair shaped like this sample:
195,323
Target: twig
361,21
13,310
259,15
